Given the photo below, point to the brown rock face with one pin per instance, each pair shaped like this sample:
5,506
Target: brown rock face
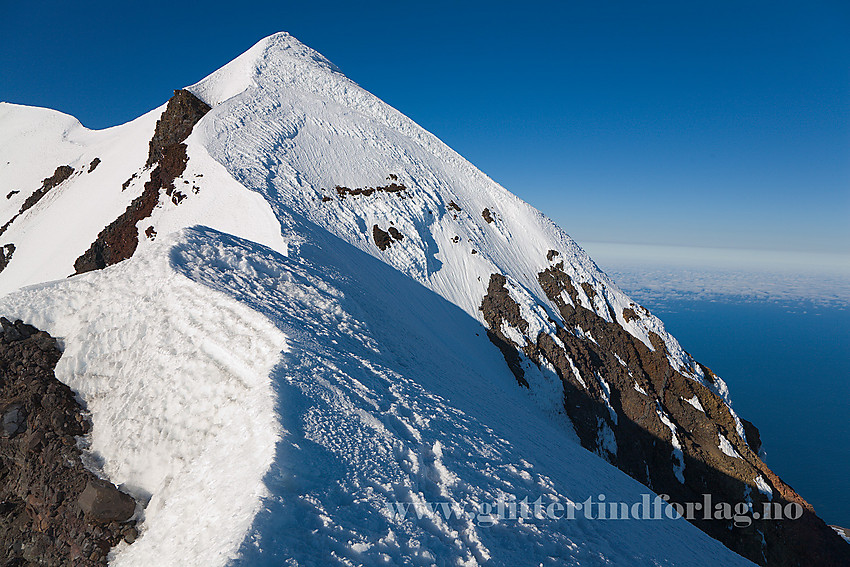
42,479
102,502
6,255
62,173
381,237
487,215
167,152
184,110
624,397
393,187
395,233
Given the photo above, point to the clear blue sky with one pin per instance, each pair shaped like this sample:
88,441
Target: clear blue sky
709,124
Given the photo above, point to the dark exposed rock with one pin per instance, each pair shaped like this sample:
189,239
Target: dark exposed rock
753,436
177,197
14,420
367,191
629,314
551,254
454,206
325,199
62,173
184,110
119,240
626,400
395,233
381,237
150,232
102,502
42,477
94,163
10,194
6,255
127,183
487,215
844,532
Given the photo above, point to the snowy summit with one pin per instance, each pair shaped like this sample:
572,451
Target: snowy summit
299,321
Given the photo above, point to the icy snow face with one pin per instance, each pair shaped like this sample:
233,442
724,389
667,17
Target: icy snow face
323,421
374,419
292,128
176,377
298,128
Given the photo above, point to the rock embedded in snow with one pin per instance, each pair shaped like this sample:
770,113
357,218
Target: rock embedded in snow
167,153
381,237
40,464
62,173
103,502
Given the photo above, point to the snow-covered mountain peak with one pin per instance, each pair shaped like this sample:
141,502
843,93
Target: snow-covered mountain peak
426,312
279,54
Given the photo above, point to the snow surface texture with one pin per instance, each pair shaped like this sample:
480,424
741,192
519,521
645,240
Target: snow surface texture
274,381
176,376
287,124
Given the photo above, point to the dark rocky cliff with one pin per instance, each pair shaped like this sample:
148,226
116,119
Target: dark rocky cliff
626,400
53,511
167,155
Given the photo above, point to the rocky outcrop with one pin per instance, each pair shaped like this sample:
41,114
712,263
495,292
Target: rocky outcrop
670,431
381,237
368,191
394,232
53,511
183,111
62,173
94,163
167,153
487,215
6,255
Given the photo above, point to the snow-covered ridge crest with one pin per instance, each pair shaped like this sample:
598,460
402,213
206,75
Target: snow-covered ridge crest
368,244
289,110
176,377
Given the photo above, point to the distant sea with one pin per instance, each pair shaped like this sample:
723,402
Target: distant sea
787,366
779,337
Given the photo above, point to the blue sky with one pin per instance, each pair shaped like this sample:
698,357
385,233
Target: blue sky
723,124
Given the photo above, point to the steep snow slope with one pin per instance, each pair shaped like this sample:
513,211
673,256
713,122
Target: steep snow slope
52,234
350,255
180,379
285,122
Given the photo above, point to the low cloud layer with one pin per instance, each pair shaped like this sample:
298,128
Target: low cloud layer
653,274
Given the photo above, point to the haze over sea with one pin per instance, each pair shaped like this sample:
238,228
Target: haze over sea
776,327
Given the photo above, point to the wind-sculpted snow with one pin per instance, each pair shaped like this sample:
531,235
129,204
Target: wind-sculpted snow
292,128
300,398
176,377
389,395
